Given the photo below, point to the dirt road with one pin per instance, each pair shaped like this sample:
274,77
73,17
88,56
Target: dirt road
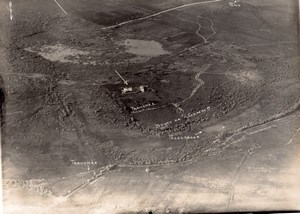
161,12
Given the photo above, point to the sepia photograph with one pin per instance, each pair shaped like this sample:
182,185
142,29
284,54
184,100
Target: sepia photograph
149,106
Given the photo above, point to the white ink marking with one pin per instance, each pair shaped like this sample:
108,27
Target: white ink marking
125,82
10,11
60,7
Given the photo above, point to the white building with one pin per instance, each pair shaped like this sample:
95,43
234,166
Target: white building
125,90
235,3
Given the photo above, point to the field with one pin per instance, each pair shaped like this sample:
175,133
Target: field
206,117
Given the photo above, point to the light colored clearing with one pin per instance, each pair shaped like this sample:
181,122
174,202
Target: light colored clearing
28,75
61,53
144,48
67,82
216,183
216,128
245,76
139,59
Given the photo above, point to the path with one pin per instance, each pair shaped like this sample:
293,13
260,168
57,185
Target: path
197,77
91,180
211,26
274,123
270,43
205,39
200,82
159,13
198,30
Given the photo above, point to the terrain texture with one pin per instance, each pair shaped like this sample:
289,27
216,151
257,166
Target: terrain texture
204,119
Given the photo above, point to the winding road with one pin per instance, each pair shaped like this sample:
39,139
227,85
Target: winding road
197,77
200,82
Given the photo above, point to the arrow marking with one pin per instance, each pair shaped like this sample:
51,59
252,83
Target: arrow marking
60,7
126,83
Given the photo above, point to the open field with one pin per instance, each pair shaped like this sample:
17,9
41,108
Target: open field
209,123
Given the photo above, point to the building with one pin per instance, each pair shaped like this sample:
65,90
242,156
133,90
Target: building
235,3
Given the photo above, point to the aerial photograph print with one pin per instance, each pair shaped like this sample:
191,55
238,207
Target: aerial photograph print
149,106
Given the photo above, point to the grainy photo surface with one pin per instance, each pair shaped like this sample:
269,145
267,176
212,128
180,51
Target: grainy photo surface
149,106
